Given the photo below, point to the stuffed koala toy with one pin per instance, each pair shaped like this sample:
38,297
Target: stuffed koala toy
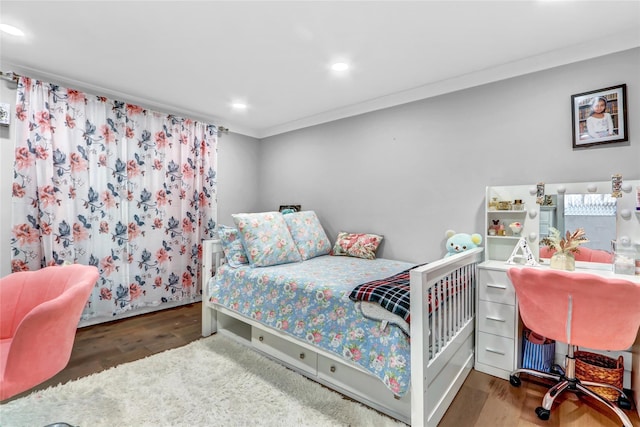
460,242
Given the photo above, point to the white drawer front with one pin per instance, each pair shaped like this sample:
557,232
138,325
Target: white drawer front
353,381
497,319
288,352
496,351
495,286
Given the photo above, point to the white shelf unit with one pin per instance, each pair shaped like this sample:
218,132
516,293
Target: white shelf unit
500,247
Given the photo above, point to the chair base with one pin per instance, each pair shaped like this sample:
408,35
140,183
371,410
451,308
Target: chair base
568,382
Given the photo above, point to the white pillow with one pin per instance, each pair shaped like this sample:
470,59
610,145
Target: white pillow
266,238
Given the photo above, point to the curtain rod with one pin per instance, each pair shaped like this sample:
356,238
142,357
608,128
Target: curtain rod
11,76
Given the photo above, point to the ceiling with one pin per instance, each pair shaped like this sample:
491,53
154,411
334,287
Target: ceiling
196,58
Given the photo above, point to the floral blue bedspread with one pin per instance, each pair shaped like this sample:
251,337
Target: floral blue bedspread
310,301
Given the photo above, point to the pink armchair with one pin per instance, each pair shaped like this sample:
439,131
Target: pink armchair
39,314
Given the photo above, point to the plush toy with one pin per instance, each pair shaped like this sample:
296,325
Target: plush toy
460,242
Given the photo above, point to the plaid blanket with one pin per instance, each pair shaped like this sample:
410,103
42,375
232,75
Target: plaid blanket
391,293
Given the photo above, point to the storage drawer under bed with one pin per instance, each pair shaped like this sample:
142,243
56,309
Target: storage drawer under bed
294,355
353,381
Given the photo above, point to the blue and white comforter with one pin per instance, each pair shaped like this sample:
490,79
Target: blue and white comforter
310,301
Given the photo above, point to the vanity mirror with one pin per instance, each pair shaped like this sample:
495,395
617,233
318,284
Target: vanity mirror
566,206
594,212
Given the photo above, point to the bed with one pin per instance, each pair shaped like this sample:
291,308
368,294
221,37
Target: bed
301,314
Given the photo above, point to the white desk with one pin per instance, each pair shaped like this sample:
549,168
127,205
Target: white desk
499,328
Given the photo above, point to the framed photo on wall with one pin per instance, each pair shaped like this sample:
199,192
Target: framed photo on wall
599,116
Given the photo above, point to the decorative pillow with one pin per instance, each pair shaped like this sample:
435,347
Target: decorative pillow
358,245
308,234
266,238
232,246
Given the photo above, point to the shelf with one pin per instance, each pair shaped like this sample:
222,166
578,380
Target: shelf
521,211
504,237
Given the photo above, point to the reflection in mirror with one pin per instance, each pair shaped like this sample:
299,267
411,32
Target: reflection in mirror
596,213
549,215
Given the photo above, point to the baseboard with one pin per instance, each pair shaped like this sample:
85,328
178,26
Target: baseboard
136,312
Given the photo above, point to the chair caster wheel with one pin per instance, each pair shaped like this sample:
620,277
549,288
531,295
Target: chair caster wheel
542,413
624,403
514,380
556,369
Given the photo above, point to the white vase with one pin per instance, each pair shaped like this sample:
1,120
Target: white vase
563,261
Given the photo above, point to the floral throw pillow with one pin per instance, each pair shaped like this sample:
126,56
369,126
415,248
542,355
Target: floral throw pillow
359,245
266,238
308,234
232,246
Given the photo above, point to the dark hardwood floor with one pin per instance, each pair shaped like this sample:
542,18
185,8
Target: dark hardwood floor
483,400
106,345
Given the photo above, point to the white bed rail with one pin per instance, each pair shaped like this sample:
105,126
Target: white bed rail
451,282
212,256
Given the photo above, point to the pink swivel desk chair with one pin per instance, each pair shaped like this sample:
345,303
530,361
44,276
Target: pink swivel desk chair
39,315
580,309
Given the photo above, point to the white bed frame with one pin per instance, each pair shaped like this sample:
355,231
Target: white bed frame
436,376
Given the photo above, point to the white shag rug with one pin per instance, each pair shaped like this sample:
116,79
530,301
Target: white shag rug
210,382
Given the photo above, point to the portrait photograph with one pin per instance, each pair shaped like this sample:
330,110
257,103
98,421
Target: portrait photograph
599,116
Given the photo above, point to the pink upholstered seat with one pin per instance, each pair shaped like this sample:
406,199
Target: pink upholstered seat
580,309
543,301
39,315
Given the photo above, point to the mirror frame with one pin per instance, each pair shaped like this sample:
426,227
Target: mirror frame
627,216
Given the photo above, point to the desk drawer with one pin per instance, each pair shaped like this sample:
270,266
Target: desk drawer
286,351
495,286
496,351
496,319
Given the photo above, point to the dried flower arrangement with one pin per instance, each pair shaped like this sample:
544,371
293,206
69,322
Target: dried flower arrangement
569,243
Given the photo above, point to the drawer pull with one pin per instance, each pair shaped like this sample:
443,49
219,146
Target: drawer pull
332,368
260,338
492,285
497,319
491,350
301,355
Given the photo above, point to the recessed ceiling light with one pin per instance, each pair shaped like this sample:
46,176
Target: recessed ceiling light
9,29
239,106
340,66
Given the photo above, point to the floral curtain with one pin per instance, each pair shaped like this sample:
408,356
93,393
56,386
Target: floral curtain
110,184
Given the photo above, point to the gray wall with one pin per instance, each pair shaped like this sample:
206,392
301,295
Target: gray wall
413,171
238,165
7,136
